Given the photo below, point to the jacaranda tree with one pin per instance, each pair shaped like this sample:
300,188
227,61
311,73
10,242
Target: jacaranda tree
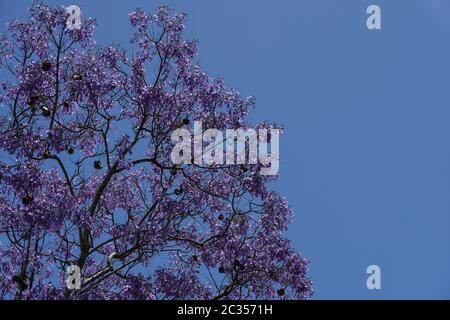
86,177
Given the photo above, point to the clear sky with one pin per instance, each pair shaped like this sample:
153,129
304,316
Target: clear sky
366,154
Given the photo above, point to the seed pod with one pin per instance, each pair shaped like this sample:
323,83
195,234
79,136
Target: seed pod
221,269
243,168
32,101
27,200
69,149
97,165
46,112
46,66
77,77
220,217
186,121
281,292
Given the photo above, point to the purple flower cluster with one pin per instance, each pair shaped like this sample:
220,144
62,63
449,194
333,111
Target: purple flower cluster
86,177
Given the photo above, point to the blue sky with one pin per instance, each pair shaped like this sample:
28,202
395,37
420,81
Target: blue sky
366,154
